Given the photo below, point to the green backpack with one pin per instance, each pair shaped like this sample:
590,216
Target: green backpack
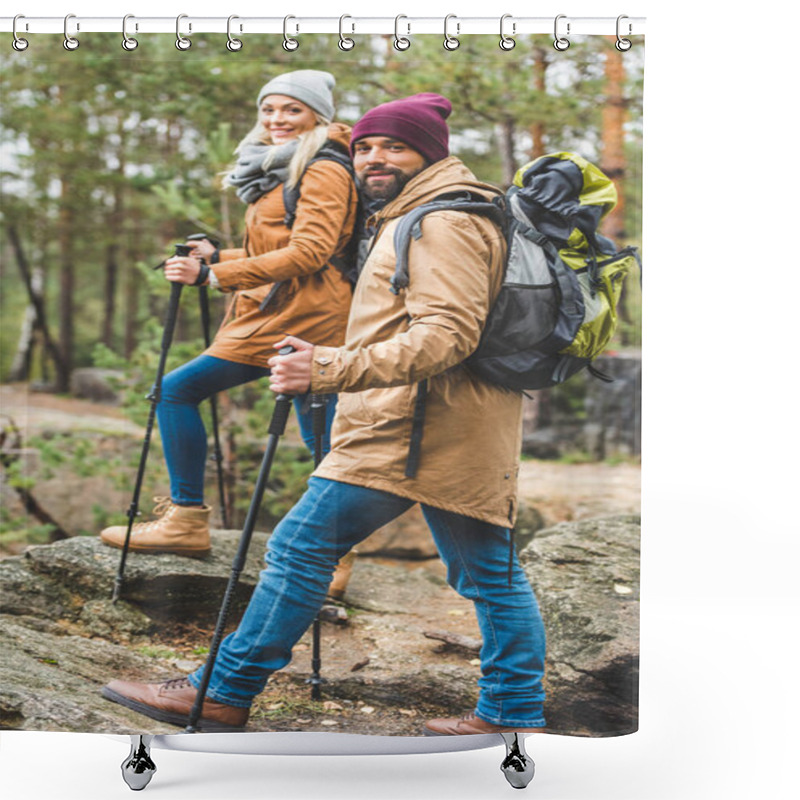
557,308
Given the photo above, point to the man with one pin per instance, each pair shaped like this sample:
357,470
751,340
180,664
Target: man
463,473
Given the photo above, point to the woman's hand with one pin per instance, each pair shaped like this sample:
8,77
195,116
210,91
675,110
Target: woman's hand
291,374
182,269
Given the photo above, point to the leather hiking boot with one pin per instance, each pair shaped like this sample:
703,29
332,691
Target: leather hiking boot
182,530
469,724
172,702
341,576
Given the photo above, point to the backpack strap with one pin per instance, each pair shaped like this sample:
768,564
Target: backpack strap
328,152
410,226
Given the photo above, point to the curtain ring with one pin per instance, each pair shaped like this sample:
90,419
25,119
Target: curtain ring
18,44
401,42
451,42
621,44
70,42
560,43
181,42
233,44
345,42
506,42
128,42
289,44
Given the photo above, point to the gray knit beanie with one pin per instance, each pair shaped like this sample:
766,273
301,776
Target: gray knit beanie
309,86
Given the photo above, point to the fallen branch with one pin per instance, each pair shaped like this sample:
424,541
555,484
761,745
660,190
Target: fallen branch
455,640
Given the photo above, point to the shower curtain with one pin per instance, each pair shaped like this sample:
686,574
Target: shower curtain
111,156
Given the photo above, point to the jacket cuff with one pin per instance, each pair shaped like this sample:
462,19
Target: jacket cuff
326,370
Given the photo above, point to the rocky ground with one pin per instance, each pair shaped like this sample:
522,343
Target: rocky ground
61,638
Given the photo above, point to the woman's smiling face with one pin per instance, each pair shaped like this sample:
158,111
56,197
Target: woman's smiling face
285,118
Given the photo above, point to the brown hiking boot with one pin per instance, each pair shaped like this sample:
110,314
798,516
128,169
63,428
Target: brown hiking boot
469,724
341,576
172,702
182,530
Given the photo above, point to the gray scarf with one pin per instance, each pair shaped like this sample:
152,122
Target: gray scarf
249,177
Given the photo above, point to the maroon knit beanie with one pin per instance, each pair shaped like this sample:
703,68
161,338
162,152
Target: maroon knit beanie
419,121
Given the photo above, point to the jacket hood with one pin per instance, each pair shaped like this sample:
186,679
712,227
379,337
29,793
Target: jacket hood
445,176
340,134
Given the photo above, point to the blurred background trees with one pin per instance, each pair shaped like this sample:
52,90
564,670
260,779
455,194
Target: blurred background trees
110,157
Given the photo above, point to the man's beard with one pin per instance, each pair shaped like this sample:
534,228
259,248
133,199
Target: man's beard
387,190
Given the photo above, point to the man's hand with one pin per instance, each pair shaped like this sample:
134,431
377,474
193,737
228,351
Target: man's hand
291,374
182,269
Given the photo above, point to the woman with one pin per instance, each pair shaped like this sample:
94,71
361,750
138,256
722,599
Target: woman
284,282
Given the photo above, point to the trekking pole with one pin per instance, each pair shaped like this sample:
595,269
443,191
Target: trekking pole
154,397
206,319
318,426
277,426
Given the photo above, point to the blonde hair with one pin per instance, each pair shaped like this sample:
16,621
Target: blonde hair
310,142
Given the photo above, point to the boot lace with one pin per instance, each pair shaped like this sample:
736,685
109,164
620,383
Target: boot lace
176,683
162,509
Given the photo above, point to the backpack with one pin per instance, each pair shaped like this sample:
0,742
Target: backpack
557,307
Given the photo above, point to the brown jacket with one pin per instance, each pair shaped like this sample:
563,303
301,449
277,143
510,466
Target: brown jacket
472,434
314,302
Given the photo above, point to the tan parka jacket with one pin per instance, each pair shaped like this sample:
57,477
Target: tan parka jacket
314,300
472,434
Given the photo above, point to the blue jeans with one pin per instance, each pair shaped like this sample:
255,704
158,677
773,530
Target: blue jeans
183,434
328,521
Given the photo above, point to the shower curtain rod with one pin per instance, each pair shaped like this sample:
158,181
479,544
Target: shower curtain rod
75,24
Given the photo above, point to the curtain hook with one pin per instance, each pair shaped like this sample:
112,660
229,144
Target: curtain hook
289,44
506,42
181,42
401,42
451,42
345,42
19,44
623,44
128,42
233,44
70,42
560,43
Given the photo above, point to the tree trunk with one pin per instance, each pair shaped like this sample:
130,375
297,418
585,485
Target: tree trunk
539,77
21,366
66,300
613,137
35,299
507,150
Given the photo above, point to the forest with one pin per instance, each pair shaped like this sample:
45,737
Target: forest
111,157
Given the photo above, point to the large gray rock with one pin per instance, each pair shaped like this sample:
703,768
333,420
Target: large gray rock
585,415
61,638
586,577
99,385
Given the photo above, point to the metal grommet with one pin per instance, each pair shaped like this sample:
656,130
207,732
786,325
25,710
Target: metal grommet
621,44
128,42
233,44
451,42
560,43
345,42
289,44
401,42
506,42
19,44
70,42
181,42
